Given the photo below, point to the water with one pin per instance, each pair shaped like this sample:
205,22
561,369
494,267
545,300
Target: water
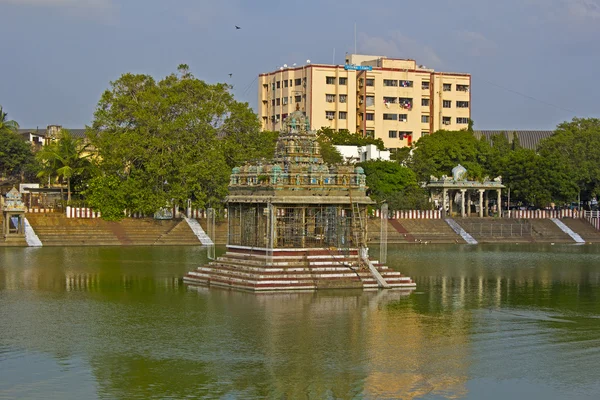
485,321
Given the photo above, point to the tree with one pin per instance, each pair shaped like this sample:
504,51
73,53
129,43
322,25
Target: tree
171,140
66,158
329,153
6,125
574,149
16,157
395,184
438,153
345,138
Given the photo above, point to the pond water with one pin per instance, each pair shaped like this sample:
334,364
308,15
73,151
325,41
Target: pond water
487,321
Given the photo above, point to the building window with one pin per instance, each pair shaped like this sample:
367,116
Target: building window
446,120
371,82
370,133
285,83
406,83
343,81
425,119
406,103
284,116
425,102
390,82
284,100
343,98
273,102
447,87
462,104
393,134
425,85
370,117
330,114
424,133
330,98
462,88
403,134
297,98
343,115
446,104
390,117
462,120
403,117
390,100
297,81
273,86
278,101
330,80
370,101
278,84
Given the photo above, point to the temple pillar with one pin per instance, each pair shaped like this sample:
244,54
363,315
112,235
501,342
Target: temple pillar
481,203
462,202
487,204
444,197
499,203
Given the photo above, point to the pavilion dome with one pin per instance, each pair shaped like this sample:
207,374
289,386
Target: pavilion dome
459,173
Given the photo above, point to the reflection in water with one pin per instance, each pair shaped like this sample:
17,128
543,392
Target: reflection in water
118,323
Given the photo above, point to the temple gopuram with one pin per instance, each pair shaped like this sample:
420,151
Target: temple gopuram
296,223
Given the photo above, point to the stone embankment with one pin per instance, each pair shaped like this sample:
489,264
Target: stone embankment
57,230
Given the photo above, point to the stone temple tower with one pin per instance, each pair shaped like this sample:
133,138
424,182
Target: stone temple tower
296,223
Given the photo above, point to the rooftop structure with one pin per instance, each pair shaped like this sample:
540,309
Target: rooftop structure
297,223
355,154
527,139
396,100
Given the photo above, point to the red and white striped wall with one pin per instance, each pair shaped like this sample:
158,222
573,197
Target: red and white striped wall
40,210
414,214
81,212
544,214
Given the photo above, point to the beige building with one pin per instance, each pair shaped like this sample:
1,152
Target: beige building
392,99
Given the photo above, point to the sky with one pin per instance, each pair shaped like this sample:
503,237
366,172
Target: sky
534,63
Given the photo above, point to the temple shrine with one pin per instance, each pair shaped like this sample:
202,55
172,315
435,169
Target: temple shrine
13,216
457,192
296,223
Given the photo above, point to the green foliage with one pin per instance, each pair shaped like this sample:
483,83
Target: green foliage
329,153
6,125
107,194
169,141
574,152
438,153
393,183
344,137
16,158
66,158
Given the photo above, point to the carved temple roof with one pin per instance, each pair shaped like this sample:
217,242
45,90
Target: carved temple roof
297,173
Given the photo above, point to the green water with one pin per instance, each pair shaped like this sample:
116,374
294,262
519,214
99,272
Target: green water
492,322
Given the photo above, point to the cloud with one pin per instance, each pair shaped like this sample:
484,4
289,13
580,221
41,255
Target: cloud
583,9
401,46
475,43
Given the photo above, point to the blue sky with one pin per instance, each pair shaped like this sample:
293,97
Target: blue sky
534,63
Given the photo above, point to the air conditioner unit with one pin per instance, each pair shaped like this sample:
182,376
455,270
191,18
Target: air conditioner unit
446,122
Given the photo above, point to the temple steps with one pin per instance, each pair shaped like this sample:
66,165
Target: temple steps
311,271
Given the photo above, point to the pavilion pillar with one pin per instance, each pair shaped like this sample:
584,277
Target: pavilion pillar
444,197
450,203
499,203
462,202
481,203
487,203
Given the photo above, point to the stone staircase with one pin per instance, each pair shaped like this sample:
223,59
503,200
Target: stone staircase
394,236
327,270
430,231
498,230
57,230
583,228
546,231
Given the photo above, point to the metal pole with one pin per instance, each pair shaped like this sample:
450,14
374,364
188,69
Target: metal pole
383,234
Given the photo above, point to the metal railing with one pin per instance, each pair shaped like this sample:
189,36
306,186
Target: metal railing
482,229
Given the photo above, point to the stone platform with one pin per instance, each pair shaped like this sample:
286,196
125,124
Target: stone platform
292,269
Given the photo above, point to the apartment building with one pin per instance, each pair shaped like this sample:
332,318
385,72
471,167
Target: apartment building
392,99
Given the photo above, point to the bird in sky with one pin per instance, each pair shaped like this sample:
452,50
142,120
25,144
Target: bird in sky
230,75
237,27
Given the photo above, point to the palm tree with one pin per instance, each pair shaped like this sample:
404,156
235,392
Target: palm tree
66,157
7,125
